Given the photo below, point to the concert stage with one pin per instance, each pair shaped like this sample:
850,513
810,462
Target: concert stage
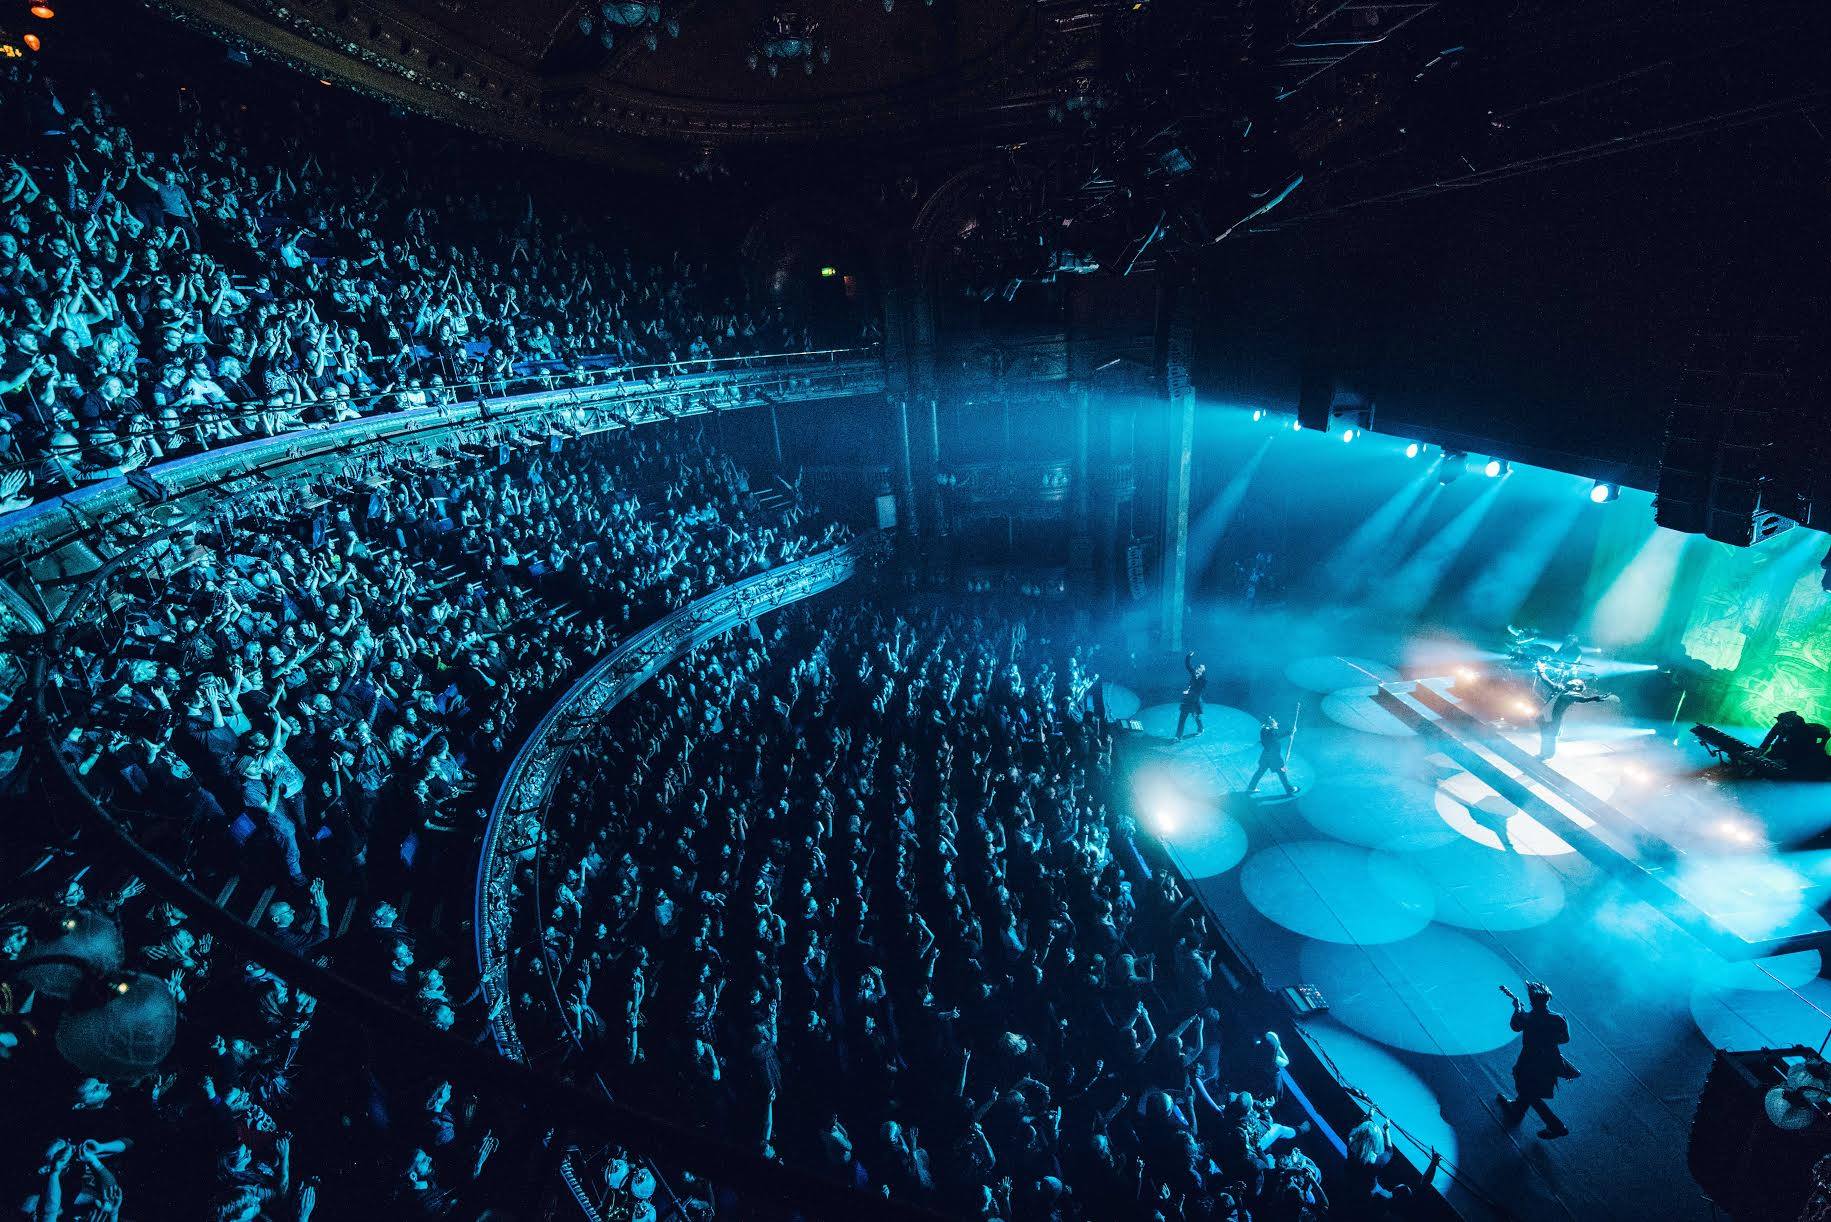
1430,859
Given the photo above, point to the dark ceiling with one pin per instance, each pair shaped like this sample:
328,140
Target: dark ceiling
604,79
875,56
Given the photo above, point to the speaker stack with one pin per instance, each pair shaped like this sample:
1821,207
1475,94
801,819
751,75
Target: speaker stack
1736,462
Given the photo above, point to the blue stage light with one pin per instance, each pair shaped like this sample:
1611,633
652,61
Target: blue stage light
1603,492
1496,468
1413,450
1349,434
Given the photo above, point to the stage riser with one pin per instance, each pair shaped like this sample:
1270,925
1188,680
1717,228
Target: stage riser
1476,746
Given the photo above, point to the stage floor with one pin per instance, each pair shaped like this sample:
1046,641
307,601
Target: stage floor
1408,891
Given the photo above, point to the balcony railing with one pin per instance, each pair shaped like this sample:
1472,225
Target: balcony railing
517,821
48,543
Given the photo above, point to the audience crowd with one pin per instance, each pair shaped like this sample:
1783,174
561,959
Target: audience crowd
212,272
850,889
307,714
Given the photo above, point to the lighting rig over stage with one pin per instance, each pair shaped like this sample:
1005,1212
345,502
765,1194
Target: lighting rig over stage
1355,423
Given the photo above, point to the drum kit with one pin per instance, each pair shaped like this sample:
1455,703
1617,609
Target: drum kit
1551,665
1803,1100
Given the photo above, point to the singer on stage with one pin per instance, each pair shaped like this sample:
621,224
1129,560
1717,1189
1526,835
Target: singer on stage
1192,695
1543,1034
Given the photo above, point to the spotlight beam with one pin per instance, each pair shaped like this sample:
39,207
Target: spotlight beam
1630,610
1415,584
1506,582
1407,535
1210,526
1371,539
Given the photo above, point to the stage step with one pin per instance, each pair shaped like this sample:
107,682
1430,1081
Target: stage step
1594,828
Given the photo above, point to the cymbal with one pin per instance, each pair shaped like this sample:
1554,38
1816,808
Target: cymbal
1800,1103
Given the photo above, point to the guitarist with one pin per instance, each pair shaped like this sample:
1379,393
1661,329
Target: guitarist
1551,716
1543,1033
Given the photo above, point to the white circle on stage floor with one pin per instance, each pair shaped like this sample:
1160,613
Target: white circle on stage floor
1589,765
1215,776
1378,811
1206,843
1225,729
1480,889
1468,805
1757,975
1435,993
1337,892
1763,1018
1357,709
1121,702
1332,672
1402,1093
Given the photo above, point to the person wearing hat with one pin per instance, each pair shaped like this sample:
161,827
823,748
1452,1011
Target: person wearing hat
1543,1033
1272,736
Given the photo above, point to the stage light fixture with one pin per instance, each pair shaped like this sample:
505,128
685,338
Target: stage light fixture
1602,492
1413,450
1522,708
1258,414
1349,435
828,272
31,40
1296,426
1454,463
43,11
1465,674
1497,467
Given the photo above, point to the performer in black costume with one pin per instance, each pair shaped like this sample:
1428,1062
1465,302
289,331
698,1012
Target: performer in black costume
1551,717
1543,1033
1271,756
1192,695
1798,745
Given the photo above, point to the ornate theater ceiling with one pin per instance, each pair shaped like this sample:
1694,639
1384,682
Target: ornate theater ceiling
590,76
